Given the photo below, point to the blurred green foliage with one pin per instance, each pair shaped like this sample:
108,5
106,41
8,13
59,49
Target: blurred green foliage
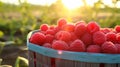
17,20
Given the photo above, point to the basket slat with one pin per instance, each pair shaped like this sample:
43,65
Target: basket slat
80,64
31,59
92,65
38,60
64,63
43,61
110,65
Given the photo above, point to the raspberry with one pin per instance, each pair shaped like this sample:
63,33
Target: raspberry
106,30
63,35
94,49
61,22
77,46
80,29
99,38
37,38
118,38
49,38
49,31
117,28
44,27
93,27
68,27
48,45
118,48
73,36
52,27
109,47
60,45
80,22
57,29
87,39
111,37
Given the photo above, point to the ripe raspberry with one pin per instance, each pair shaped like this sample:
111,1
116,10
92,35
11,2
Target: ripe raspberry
80,29
52,27
60,45
49,38
49,31
106,30
80,22
63,35
87,39
48,45
118,48
111,37
99,38
37,38
109,47
117,28
77,46
61,22
68,27
93,27
44,27
57,29
73,36
94,49
118,38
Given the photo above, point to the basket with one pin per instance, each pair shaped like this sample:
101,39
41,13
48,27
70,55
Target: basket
46,57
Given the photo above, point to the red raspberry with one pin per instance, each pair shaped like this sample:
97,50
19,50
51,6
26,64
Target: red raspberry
57,29
111,37
52,27
44,27
94,49
93,27
68,27
60,45
80,22
73,36
99,38
106,30
118,48
109,47
80,29
77,46
49,38
117,28
118,38
63,35
87,39
61,22
37,38
49,31
48,45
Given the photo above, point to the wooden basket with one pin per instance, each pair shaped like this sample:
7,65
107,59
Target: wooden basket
46,57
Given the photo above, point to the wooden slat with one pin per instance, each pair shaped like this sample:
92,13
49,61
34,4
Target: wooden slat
31,59
80,64
46,61
110,65
38,60
92,65
118,65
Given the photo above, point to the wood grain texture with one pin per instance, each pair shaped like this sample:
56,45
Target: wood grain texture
31,59
110,65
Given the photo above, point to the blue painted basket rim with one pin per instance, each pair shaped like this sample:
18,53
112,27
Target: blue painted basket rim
75,56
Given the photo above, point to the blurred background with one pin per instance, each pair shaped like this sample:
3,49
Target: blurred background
19,17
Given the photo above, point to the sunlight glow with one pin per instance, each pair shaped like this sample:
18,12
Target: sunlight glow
72,4
91,2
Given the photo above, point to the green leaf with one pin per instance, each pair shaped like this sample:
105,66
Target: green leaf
1,34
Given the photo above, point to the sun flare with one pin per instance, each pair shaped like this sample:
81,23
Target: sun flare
72,4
